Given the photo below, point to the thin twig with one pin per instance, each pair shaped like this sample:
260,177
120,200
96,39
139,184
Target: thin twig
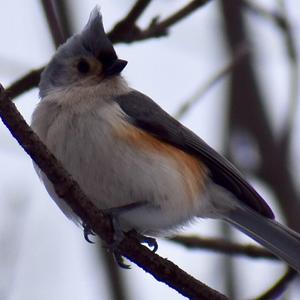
246,113
279,287
257,9
223,246
282,22
64,17
179,15
67,189
249,115
116,281
155,28
53,22
200,92
136,11
126,29
25,83
294,80
117,35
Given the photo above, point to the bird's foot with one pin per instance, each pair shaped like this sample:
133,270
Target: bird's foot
119,235
143,239
87,231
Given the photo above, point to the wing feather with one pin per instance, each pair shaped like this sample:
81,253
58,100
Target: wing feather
144,113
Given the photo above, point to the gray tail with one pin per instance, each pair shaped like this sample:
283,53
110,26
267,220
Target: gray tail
278,239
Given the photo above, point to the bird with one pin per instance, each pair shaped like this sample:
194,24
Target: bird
135,161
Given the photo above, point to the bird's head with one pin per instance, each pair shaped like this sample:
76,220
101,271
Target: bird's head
85,59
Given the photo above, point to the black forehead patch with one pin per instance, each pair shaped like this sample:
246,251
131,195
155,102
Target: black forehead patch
107,57
95,40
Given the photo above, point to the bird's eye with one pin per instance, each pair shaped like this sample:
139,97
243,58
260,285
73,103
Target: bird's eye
83,66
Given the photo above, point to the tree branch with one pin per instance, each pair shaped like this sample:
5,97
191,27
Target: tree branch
128,34
122,32
59,34
53,22
136,11
25,83
280,286
180,14
261,11
249,115
126,30
200,92
291,49
223,246
67,189
64,17
116,281
282,21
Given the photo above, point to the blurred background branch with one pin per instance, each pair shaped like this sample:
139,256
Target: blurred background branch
247,114
279,287
281,20
25,83
188,104
222,246
54,21
247,117
126,31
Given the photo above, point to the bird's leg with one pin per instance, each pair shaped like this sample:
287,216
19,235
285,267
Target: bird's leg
87,231
115,213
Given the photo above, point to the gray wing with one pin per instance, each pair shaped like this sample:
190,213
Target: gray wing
144,113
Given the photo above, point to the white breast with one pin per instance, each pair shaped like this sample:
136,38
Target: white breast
110,171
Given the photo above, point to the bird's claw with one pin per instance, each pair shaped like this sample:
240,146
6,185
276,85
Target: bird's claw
119,259
151,242
119,234
87,231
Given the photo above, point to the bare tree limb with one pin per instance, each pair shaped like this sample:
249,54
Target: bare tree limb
136,11
223,246
120,33
257,9
53,22
128,34
279,287
25,83
126,30
115,279
67,189
180,14
294,80
200,92
32,79
282,21
64,17
249,115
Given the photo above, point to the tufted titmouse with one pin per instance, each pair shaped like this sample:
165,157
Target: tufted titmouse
131,157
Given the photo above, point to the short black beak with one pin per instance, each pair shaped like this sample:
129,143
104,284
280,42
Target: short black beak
116,67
